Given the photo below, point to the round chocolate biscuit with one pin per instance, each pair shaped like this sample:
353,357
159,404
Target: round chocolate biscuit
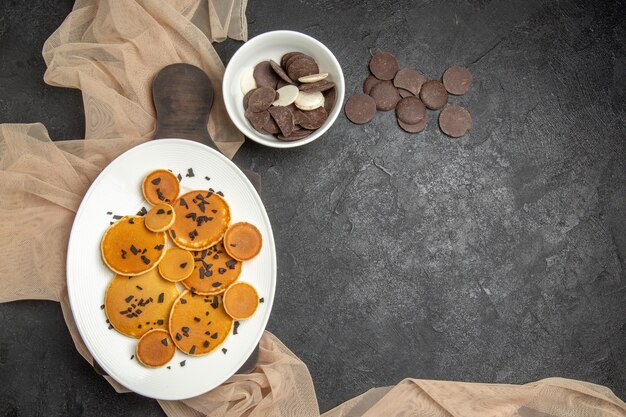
313,119
261,99
322,85
280,72
370,82
417,127
283,118
360,108
302,66
410,80
434,94
457,80
384,66
455,121
385,95
265,76
410,110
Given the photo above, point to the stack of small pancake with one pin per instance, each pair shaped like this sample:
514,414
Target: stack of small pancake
143,301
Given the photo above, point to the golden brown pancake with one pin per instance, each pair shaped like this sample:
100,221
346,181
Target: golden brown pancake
135,305
243,241
241,300
202,217
177,264
155,348
160,217
198,323
129,248
214,271
160,186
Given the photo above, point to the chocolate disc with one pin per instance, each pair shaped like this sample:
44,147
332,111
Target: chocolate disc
302,66
385,95
295,135
284,119
313,119
404,93
384,66
330,96
322,85
457,80
265,76
271,127
281,84
455,121
417,127
246,99
285,58
292,58
410,110
257,119
280,72
434,94
360,108
410,80
261,99
370,82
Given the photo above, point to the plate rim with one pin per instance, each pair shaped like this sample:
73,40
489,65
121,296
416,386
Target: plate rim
110,166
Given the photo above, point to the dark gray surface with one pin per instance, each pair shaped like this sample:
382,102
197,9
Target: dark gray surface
495,257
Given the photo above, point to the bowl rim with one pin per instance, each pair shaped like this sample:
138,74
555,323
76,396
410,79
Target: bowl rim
247,132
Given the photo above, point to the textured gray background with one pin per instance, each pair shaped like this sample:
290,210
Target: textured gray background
495,257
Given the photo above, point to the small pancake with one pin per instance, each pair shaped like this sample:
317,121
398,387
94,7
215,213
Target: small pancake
135,305
176,265
243,241
214,271
198,323
160,186
241,300
160,217
202,217
155,348
129,248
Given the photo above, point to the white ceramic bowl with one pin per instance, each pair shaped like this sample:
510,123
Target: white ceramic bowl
273,45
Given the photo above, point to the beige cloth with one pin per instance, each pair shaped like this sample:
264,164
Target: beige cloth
111,50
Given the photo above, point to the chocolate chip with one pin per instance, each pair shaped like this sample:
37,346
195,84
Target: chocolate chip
158,247
156,181
134,250
192,350
231,264
129,298
183,265
235,327
409,80
164,341
433,94
385,95
216,284
160,211
183,301
180,177
360,108
117,217
384,66
190,173
184,203
145,260
411,110
183,363
224,350
455,121
221,270
214,335
457,80
205,344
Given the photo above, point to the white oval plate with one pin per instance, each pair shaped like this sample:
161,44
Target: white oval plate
118,190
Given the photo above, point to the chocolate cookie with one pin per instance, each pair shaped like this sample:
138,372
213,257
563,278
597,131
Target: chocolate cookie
410,80
410,110
455,121
384,66
385,95
457,80
360,108
434,94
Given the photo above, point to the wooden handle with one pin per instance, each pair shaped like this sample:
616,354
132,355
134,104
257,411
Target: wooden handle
183,96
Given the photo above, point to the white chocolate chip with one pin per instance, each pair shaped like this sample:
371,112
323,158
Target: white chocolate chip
313,78
247,82
309,101
286,95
